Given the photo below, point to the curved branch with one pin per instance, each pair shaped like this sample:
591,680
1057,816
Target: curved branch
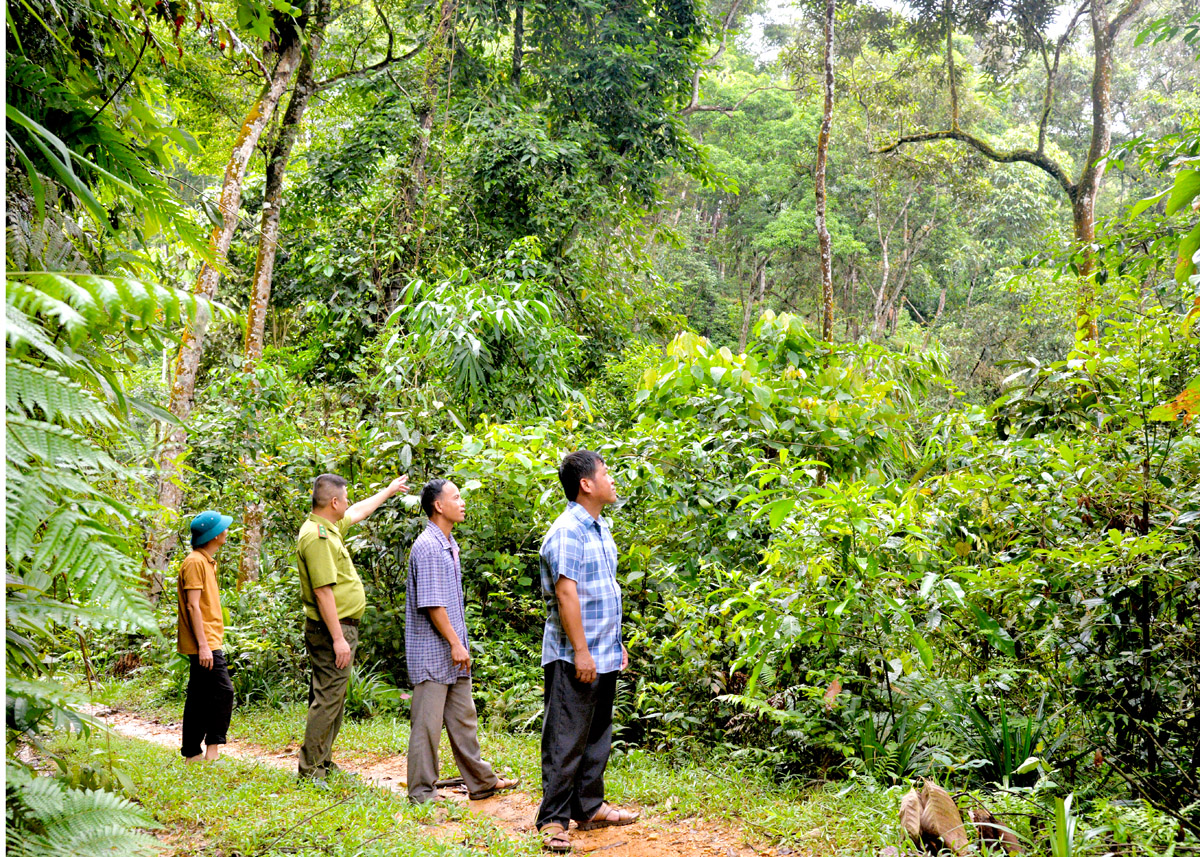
726,26
1028,156
374,67
1118,23
388,59
121,85
727,109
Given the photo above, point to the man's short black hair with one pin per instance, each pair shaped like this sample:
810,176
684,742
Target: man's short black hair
431,493
578,465
325,488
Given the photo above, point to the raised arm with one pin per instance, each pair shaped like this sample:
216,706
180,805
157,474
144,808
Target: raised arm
363,508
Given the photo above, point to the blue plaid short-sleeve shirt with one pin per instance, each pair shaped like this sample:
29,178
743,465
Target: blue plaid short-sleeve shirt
581,547
434,580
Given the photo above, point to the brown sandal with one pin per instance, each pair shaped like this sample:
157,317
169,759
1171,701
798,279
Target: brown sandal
502,785
555,838
604,818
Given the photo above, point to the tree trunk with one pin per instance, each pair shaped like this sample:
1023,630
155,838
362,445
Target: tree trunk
438,58
885,264
264,267
161,540
441,50
518,55
1083,202
753,299
824,240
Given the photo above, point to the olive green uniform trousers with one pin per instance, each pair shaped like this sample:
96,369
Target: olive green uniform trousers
326,697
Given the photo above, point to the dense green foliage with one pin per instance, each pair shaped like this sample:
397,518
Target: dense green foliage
956,541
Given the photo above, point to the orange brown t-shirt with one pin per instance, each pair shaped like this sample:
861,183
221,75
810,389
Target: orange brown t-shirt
199,571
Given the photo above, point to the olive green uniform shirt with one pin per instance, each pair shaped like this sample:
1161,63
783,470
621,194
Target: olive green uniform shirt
324,561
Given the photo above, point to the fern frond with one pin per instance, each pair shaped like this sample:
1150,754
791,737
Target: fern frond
40,302
95,562
53,445
25,507
23,333
57,397
47,819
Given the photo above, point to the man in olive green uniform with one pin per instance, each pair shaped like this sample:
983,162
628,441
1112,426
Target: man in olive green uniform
334,602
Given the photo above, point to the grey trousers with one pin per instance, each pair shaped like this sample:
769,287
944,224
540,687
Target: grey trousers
452,704
326,698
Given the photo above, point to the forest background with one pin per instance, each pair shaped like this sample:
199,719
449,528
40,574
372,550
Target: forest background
935,513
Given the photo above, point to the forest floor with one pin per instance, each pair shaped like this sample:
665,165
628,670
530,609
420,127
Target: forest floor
499,825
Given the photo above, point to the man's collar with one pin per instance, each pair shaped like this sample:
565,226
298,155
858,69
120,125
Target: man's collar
321,520
445,540
582,516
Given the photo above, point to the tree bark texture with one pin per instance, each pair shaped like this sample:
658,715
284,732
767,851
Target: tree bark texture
441,50
161,540
824,240
518,56
264,266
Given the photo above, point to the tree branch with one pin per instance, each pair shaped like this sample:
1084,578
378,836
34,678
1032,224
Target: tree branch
717,108
389,58
1119,22
1052,72
370,69
1038,159
121,85
950,65
726,25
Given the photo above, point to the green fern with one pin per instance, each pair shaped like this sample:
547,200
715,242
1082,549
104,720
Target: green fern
29,440
37,389
46,818
73,558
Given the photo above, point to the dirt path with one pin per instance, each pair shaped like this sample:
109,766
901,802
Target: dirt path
653,836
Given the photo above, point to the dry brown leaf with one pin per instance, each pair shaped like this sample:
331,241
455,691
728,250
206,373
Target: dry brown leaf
910,815
831,692
941,818
993,834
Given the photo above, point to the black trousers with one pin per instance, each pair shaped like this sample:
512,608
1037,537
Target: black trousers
209,705
576,739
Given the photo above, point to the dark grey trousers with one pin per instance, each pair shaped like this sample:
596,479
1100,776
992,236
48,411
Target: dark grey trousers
576,739
326,698
452,704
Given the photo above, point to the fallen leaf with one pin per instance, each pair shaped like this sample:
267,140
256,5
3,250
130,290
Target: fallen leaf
910,815
993,834
835,687
941,818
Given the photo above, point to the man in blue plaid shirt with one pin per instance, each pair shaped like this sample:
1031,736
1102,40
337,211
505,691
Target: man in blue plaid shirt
582,655
439,665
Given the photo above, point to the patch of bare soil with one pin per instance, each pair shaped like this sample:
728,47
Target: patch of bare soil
652,836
